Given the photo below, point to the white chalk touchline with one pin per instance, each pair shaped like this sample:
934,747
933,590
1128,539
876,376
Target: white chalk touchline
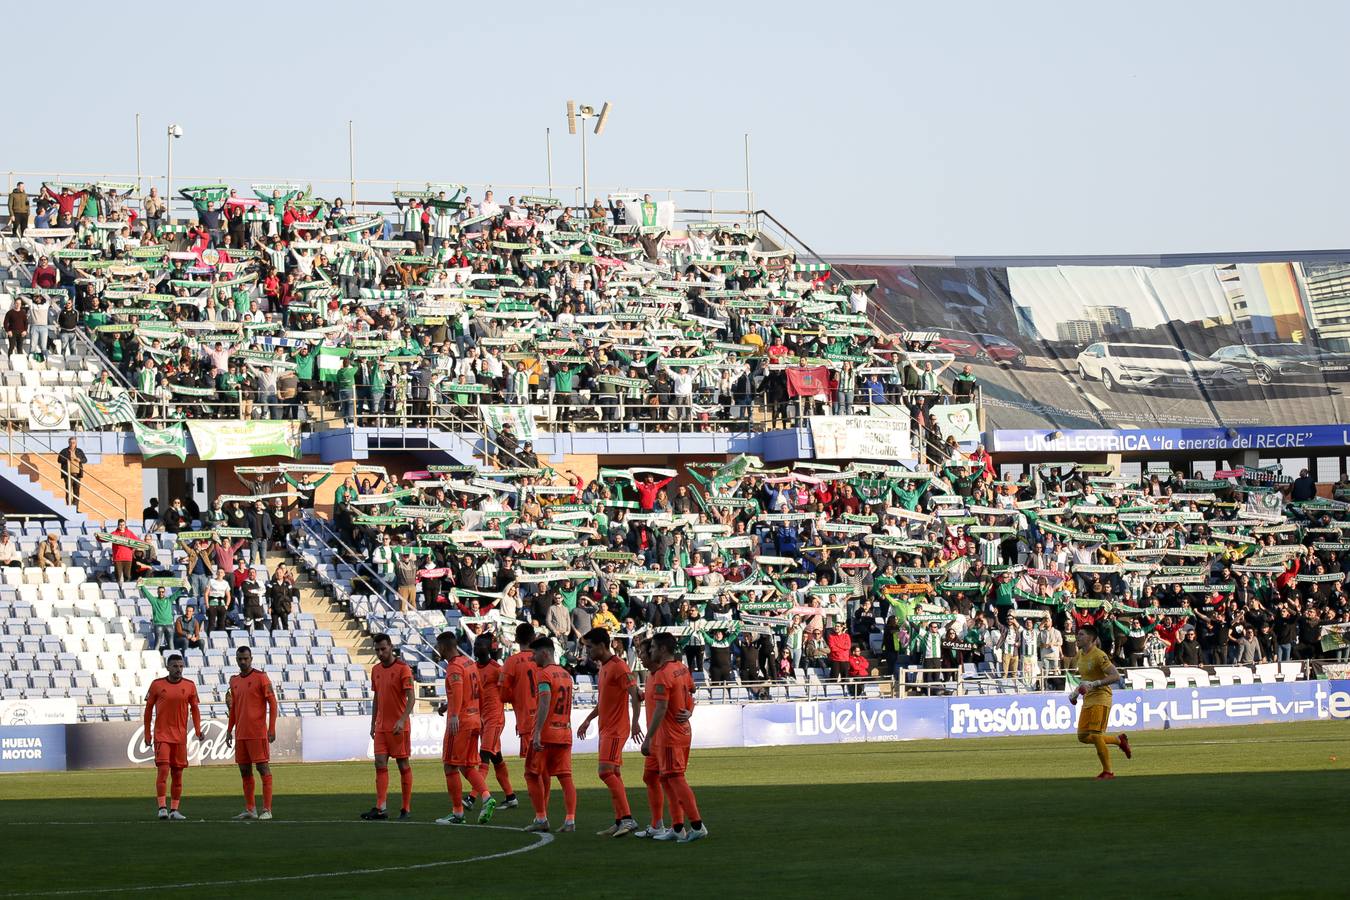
541,840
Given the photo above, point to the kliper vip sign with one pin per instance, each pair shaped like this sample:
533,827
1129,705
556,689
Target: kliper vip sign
1176,708
115,745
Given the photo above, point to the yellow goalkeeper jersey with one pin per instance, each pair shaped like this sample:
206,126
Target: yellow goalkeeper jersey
1092,666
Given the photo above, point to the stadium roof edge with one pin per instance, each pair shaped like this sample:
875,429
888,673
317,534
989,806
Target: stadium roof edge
1153,260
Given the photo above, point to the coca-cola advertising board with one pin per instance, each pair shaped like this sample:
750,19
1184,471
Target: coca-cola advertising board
118,745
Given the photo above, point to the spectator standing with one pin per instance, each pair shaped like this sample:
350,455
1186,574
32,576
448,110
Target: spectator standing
72,461
19,210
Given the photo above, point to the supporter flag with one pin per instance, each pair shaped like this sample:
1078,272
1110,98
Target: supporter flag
809,381
659,214
957,420
170,441
1267,505
98,413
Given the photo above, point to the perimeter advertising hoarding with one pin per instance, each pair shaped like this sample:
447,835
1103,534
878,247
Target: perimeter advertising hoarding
32,748
985,716
116,745
1107,350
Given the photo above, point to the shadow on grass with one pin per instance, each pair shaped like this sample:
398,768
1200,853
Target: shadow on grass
1176,835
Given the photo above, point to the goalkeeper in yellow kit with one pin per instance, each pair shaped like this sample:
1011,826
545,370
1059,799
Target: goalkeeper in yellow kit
1096,674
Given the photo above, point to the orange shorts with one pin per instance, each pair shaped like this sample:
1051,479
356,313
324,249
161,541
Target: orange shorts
172,755
611,749
651,765
252,750
490,739
554,759
525,747
673,759
396,746
460,749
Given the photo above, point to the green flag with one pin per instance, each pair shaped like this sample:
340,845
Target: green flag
170,441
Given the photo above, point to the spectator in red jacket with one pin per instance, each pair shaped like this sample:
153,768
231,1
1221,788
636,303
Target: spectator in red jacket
858,667
46,275
841,647
122,555
647,490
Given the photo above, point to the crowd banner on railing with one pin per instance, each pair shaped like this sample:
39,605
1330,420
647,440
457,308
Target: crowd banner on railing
1222,355
861,437
245,440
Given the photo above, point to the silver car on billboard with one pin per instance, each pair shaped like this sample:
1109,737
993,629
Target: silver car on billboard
1154,367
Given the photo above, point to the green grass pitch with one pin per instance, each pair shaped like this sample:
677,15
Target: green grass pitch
1215,812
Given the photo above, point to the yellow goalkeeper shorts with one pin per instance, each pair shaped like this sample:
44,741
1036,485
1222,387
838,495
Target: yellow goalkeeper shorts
1092,719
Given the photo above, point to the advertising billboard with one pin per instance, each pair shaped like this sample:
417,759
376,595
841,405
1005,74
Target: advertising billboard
115,745
32,748
1110,349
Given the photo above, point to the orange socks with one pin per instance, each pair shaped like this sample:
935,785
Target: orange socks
452,784
569,792
267,791
381,787
405,779
617,795
161,784
655,798
678,786
175,787
248,792
477,784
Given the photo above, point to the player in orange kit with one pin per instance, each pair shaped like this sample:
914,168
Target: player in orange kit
486,651
169,701
669,735
517,688
463,723
392,681
618,690
551,740
651,771
253,714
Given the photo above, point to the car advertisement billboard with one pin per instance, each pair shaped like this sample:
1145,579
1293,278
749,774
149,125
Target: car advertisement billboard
1119,348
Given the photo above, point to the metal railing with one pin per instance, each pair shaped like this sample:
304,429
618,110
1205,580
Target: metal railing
691,204
32,453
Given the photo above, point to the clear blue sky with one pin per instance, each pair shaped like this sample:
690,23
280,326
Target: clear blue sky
875,127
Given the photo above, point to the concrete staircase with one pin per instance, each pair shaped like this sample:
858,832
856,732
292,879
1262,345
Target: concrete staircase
328,616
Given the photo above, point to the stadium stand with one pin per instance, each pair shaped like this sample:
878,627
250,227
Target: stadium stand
819,579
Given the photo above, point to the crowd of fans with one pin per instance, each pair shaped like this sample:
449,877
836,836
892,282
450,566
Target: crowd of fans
278,304
281,305
863,569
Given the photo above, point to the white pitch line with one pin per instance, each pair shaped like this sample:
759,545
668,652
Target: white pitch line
541,840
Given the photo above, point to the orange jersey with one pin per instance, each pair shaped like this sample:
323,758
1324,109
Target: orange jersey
391,684
616,679
675,685
558,717
462,692
490,701
253,706
649,697
518,689
171,704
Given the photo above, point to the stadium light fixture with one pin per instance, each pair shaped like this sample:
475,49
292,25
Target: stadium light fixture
582,111
175,132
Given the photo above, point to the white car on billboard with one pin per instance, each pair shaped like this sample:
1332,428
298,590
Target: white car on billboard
1154,367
